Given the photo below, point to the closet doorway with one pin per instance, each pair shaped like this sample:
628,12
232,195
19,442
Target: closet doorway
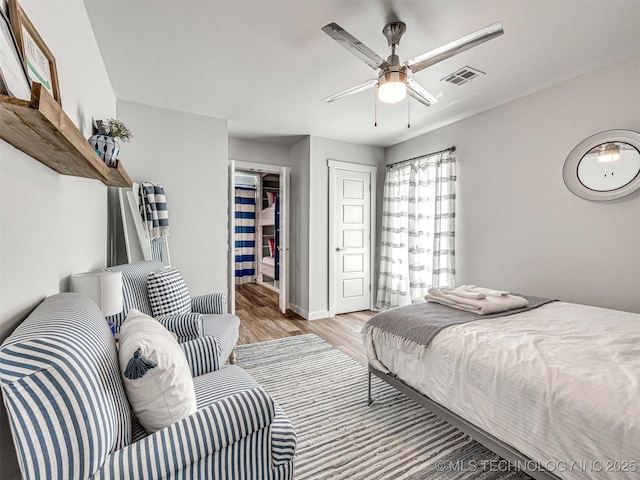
259,229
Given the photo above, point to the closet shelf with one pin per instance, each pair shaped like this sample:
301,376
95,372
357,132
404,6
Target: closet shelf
42,130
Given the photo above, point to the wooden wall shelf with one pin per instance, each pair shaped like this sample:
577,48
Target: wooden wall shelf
118,177
42,130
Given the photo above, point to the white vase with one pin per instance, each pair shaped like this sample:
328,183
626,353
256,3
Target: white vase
107,147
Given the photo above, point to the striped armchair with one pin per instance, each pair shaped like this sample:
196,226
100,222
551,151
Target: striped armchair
209,317
70,417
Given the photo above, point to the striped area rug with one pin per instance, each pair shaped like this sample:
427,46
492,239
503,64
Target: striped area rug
324,393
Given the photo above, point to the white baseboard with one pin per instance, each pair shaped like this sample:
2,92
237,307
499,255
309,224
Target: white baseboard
296,309
318,315
309,315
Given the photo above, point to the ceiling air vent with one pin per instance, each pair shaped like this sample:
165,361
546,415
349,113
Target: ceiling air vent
462,76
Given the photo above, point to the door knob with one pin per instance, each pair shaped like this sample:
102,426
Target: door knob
339,249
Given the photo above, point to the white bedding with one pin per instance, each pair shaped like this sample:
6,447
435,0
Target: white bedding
269,261
268,216
560,383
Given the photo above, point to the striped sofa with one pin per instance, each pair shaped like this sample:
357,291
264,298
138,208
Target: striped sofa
209,317
70,418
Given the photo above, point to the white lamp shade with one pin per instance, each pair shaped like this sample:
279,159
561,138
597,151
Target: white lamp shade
104,288
392,87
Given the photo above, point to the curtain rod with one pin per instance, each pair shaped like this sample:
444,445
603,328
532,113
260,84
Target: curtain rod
450,149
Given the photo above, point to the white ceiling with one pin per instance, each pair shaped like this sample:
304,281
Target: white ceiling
266,65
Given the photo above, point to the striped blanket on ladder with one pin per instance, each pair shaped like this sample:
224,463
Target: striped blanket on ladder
153,209
155,220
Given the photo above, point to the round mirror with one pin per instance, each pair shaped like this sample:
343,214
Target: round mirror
605,166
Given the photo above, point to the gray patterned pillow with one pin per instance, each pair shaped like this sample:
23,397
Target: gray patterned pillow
168,294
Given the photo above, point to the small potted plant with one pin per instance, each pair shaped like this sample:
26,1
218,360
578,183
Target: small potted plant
104,142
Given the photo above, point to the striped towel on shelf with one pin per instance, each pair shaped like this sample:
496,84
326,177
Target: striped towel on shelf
153,210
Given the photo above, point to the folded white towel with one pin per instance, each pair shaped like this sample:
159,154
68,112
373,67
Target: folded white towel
485,306
449,303
486,291
458,292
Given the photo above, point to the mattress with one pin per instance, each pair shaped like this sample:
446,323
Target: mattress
560,383
268,216
267,266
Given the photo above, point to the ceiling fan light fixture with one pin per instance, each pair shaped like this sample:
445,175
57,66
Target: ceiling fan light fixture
392,87
392,82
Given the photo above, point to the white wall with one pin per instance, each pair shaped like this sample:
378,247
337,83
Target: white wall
52,225
323,149
518,227
260,152
187,155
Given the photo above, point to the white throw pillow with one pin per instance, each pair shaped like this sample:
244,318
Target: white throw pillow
155,372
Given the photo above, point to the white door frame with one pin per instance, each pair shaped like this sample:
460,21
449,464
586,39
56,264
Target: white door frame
231,247
258,168
285,228
372,170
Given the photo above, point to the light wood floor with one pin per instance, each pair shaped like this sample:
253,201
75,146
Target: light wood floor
261,320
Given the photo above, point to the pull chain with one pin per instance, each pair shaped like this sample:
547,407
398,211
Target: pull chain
408,111
375,108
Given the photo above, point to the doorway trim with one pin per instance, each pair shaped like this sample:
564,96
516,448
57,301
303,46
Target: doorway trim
236,165
358,167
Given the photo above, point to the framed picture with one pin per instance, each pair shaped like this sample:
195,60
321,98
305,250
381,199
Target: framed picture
13,78
38,60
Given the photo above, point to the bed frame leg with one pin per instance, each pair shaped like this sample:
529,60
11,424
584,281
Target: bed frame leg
369,399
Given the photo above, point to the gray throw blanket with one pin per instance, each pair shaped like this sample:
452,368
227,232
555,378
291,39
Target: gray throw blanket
421,322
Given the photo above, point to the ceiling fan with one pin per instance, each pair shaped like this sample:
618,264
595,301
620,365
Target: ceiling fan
392,81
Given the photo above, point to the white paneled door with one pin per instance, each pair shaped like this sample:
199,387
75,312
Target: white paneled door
351,232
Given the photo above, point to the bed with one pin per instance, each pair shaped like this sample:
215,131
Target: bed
267,265
555,389
267,216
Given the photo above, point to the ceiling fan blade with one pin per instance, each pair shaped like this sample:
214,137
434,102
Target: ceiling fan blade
350,91
418,92
355,46
453,48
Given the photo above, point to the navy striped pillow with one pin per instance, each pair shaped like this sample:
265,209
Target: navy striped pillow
168,294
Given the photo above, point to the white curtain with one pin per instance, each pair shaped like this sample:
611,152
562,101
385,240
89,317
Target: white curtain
418,230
